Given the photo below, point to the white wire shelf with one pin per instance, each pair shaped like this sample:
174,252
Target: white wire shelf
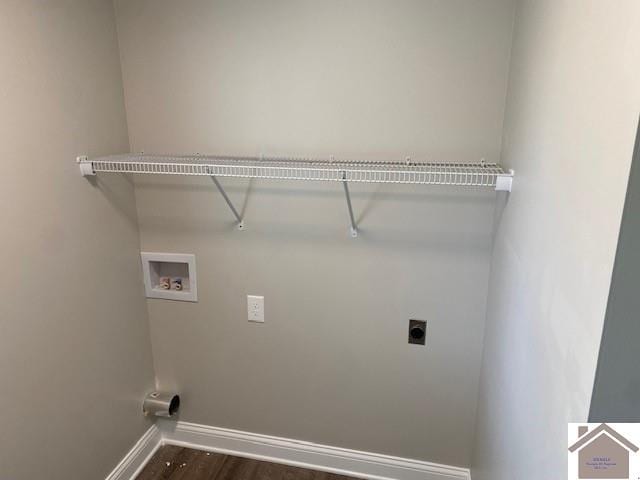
480,174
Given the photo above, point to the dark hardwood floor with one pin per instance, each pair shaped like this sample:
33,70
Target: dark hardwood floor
178,463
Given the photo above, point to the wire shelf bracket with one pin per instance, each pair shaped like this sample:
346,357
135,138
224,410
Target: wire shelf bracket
504,181
479,174
229,203
86,166
354,228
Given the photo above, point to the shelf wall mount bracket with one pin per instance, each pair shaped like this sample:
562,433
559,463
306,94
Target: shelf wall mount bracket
504,181
86,166
354,227
228,200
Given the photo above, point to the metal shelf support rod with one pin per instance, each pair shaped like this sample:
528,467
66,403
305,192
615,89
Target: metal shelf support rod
354,229
228,200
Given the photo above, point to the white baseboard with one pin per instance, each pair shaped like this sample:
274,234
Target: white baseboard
371,466
342,461
134,461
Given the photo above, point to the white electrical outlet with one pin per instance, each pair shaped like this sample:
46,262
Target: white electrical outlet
255,308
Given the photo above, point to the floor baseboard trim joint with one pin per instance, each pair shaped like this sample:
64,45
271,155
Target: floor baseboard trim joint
135,460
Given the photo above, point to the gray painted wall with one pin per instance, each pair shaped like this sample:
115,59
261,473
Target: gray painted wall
368,79
570,126
616,391
362,79
75,355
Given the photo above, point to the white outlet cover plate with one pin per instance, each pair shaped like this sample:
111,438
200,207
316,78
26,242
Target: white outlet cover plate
255,308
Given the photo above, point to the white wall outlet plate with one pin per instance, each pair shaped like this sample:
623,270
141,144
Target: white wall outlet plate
255,308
